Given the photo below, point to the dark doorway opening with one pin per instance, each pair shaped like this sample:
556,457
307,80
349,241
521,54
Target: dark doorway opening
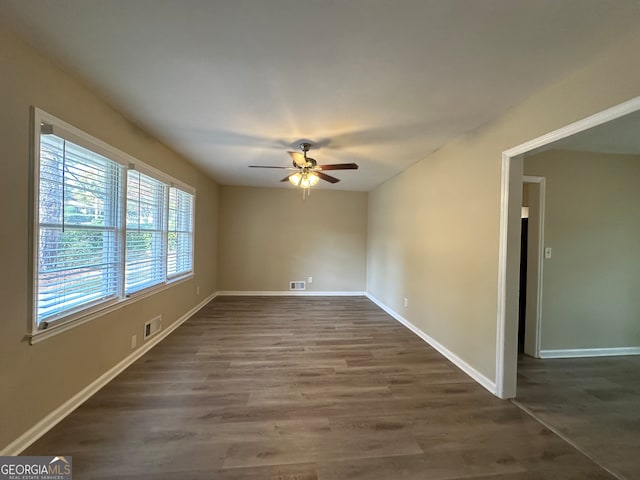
523,284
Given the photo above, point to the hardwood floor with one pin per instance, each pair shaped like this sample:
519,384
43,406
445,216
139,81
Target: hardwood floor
304,388
594,402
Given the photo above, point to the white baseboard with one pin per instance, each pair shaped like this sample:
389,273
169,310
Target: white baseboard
452,357
53,418
283,293
590,352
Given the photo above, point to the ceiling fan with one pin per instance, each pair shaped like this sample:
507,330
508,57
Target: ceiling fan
307,171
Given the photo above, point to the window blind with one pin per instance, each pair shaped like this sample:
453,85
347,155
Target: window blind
102,225
180,233
145,232
79,216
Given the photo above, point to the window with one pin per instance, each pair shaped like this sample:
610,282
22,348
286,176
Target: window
78,227
145,257
180,258
107,226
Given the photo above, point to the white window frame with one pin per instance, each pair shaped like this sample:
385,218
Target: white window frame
90,312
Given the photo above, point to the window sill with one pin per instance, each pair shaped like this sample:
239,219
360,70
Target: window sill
61,326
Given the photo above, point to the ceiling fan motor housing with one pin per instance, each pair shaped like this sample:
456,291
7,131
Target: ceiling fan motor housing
305,147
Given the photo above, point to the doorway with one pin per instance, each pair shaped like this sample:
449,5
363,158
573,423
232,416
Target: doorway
531,266
510,230
522,301
584,385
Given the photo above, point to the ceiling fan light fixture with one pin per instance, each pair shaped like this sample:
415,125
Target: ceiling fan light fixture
305,182
313,179
304,179
295,178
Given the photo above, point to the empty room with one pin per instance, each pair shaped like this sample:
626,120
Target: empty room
283,239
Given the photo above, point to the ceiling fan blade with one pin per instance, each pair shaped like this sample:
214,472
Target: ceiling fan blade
269,166
326,177
339,166
298,158
286,179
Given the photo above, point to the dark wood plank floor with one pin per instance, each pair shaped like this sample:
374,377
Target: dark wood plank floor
304,388
594,402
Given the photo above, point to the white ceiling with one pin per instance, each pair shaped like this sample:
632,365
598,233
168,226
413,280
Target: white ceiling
380,83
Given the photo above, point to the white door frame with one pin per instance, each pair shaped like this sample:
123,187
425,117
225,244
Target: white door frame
509,247
535,284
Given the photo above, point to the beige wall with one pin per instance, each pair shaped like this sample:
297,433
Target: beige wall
433,232
270,236
36,379
525,194
591,282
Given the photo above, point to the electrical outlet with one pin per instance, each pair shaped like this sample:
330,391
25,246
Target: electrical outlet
198,290
134,341
310,280
406,302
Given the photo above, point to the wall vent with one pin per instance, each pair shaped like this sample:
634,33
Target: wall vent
296,285
153,326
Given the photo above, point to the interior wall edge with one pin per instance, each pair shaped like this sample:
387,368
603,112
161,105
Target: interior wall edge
61,412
